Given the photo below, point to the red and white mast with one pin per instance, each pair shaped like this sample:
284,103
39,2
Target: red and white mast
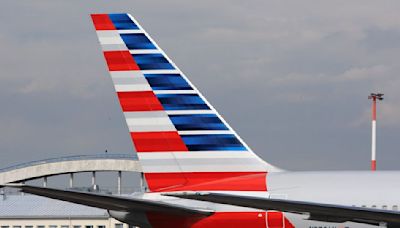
374,97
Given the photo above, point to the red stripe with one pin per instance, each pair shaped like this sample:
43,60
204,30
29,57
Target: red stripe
207,181
139,101
373,165
120,61
275,219
217,220
158,141
102,22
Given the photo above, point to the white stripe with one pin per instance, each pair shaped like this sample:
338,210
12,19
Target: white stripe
111,41
109,37
126,74
203,168
373,143
160,71
202,165
210,161
203,154
150,124
148,121
144,51
114,47
182,112
170,163
129,81
175,92
136,87
130,31
202,132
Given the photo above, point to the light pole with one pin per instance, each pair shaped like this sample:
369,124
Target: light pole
374,97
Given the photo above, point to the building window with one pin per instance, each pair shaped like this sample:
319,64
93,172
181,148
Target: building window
40,226
5,226
384,207
395,207
373,206
28,226
89,226
101,226
53,226
77,226
119,225
17,227
64,226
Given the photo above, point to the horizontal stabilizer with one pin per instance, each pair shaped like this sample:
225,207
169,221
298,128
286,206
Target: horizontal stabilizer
110,202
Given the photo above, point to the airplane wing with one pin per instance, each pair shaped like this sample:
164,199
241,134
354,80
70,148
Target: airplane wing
316,211
110,202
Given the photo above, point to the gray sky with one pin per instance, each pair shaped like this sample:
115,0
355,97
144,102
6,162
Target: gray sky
292,77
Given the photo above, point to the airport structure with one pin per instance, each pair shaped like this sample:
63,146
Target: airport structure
29,211
70,165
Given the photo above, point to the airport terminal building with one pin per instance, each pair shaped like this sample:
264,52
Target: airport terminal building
29,211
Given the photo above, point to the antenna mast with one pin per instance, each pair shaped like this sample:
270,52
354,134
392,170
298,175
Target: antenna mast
374,97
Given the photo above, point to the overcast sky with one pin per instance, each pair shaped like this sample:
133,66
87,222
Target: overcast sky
292,77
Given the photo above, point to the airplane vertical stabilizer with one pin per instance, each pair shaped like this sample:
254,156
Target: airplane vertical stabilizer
181,140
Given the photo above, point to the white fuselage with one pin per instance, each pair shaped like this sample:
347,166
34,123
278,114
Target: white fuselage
349,188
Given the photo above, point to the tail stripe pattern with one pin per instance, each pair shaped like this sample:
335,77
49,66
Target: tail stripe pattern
180,139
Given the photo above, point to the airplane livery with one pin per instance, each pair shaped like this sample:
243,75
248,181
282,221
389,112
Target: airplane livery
198,172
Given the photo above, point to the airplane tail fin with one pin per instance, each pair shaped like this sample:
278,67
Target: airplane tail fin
181,140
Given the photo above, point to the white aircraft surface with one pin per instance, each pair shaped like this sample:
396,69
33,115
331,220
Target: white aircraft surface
198,172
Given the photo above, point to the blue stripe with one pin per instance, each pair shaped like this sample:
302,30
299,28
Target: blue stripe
167,82
122,21
182,102
223,142
197,122
152,62
137,41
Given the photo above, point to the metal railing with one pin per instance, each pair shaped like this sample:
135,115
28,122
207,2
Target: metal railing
132,156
